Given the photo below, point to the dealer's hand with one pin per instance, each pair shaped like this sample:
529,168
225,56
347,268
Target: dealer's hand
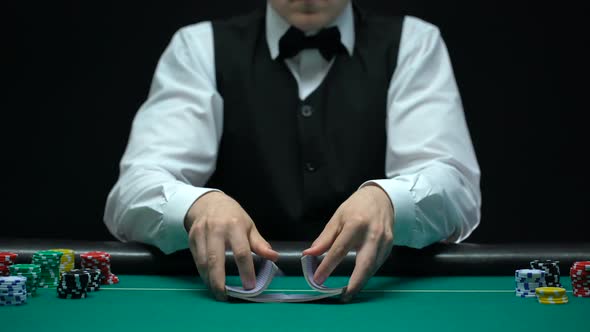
364,222
216,221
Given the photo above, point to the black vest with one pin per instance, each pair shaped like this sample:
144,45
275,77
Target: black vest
291,163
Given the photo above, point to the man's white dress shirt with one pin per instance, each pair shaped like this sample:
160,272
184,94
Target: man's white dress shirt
431,168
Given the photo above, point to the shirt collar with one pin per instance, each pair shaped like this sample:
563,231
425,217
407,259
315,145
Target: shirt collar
276,26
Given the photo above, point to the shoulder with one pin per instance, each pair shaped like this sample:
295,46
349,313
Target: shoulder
205,28
238,33
421,41
194,33
411,25
191,45
419,28
193,41
241,21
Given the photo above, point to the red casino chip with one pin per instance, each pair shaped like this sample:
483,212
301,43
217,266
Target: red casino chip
580,276
102,261
6,260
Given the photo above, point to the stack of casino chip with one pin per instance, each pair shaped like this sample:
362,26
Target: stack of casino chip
67,260
13,290
551,269
551,295
580,275
73,284
49,262
527,280
102,261
6,259
30,271
94,281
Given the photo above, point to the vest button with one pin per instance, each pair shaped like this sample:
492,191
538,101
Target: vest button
306,111
310,167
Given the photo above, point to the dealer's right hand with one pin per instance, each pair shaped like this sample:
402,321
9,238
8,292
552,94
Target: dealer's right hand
216,221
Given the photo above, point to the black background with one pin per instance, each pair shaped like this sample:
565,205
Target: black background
76,72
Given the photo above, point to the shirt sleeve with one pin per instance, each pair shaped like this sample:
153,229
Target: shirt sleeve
172,148
431,167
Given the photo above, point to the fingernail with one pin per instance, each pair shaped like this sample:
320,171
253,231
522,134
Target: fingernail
249,284
275,259
346,298
320,279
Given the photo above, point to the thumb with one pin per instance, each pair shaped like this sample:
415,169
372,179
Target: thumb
325,240
261,247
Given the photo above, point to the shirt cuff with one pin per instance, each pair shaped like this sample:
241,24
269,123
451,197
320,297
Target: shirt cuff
176,236
404,209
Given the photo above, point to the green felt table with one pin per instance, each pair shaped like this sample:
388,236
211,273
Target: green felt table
181,303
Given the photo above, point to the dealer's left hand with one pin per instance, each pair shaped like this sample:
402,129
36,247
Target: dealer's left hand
364,222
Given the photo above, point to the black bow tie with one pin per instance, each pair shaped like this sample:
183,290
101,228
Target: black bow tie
327,41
